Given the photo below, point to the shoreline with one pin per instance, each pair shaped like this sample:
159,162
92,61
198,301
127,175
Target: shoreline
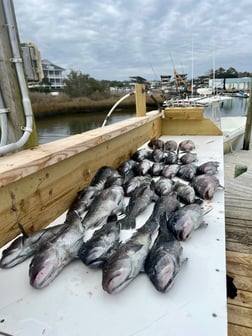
54,107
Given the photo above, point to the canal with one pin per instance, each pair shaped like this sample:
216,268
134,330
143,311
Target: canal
58,127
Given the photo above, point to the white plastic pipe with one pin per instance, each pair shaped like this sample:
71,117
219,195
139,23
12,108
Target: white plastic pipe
115,105
17,60
3,122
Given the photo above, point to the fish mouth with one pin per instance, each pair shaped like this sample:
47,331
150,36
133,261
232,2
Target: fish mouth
183,235
183,232
9,260
208,194
42,271
165,277
92,260
116,282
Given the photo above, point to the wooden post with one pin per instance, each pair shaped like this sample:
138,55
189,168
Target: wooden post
9,85
140,100
246,143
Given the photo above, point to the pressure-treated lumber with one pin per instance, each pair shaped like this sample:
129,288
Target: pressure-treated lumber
39,185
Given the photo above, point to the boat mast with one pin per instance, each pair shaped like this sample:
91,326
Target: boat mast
213,66
192,70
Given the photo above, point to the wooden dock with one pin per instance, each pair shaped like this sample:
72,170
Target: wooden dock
238,217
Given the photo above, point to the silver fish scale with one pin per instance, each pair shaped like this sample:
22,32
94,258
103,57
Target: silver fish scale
109,201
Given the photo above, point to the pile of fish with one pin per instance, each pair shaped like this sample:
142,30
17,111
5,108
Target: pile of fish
163,174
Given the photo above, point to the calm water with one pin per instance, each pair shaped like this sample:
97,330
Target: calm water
58,127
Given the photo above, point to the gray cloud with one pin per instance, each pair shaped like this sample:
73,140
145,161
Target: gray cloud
115,39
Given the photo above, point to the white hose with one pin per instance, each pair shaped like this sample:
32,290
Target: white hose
115,105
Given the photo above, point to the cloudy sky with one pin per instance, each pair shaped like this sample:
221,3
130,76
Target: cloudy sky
116,39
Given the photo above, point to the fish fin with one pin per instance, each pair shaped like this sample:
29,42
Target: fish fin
22,230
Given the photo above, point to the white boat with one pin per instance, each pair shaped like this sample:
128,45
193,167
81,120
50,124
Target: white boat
200,101
187,102
233,129
208,100
242,94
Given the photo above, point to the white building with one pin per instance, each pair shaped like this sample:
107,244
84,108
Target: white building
53,74
242,83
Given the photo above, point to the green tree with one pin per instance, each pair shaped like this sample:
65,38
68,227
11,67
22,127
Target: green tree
78,84
222,73
231,73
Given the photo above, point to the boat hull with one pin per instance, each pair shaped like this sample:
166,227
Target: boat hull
233,129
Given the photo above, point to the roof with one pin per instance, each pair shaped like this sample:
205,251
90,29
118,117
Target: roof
138,79
46,64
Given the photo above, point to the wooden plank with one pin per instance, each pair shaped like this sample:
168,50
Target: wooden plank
240,262
37,199
234,220
240,315
243,298
244,156
140,95
239,233
184,112
189,127
238,247
236,330
19,165
234,200
238,239
241,282
240,186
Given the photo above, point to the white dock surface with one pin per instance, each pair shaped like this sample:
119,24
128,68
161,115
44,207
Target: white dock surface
75,303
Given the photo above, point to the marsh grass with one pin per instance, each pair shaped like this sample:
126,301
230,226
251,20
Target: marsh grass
45,105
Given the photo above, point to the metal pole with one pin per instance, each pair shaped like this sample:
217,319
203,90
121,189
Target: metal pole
247,135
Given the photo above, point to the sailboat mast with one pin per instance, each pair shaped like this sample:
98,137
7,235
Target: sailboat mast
214,66
192,71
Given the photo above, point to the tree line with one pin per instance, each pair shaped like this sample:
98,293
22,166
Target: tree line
228,73
77,84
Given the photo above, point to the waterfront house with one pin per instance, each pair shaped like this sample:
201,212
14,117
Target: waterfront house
53,74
